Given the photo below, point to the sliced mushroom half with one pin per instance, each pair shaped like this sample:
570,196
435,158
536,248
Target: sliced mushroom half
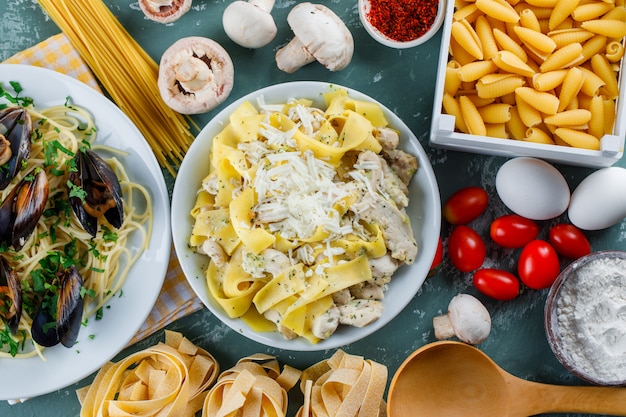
164,11
196,74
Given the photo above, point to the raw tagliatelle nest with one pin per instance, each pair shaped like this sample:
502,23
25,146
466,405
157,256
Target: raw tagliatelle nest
343,386
178,379
168,379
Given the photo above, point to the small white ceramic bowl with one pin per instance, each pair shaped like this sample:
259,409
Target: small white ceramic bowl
424,210
364,8
574,315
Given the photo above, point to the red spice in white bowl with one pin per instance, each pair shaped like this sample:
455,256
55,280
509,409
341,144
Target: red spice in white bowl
401,23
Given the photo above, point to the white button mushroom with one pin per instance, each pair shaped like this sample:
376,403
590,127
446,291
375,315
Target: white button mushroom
467,319
195,75
249,23
319,35
164,11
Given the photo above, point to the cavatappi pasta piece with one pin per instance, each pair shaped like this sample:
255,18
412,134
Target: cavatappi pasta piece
498,9
590,11
496,130
550,80
544,102
569,118
529,115
485,35
451,106
562,58
495,113
614,51
472,71
566,36
606,27
536,135
510,63
602,69
506,43
528,19
535,39
592,83
542,3
471,116
562,10
516,126
466,37
577,138
453,81
572,83
593,46
498,85
596,119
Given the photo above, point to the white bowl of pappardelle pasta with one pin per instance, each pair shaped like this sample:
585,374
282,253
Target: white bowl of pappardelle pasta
423,211
548,85
99,339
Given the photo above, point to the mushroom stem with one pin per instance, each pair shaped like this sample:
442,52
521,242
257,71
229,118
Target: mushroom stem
265,5
443,327
293,56
193,74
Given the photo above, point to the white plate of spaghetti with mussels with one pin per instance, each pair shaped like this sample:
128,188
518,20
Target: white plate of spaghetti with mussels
306,215
81,263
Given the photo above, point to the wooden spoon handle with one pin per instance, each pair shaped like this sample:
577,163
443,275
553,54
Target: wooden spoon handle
539,398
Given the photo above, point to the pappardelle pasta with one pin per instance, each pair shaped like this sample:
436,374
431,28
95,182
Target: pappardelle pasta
57,274
555,63
303,215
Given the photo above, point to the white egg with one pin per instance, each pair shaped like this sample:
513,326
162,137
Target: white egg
599,201
532,188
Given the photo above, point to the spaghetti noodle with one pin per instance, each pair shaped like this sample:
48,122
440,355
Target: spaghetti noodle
59,132
126,72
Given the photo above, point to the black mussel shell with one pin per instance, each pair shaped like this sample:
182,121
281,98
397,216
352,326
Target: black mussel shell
16,126
103,192
46,331
22,208
43,329
69,307
10,280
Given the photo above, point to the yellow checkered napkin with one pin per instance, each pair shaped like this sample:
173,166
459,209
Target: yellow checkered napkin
177,299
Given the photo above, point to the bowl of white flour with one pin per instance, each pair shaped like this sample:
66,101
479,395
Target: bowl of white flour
585,318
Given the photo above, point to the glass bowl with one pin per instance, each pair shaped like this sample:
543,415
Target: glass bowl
585,318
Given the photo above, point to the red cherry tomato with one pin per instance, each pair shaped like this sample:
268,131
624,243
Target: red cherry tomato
569,241
434,267
496,283
538,265
466,248
513,231
465,205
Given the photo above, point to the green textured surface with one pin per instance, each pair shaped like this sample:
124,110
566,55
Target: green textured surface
403,80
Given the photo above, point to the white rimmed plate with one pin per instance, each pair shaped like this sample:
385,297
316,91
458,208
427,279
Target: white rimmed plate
23,378
424,211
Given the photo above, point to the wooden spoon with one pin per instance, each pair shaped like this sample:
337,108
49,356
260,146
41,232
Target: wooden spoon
455,379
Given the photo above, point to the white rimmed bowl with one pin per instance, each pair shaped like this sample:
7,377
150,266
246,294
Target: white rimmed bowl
364,9
424,210
567,341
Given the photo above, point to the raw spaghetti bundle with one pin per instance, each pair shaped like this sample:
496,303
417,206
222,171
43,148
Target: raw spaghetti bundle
126,72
